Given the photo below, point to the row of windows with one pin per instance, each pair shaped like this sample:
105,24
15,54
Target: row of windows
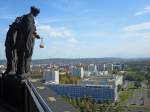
82,91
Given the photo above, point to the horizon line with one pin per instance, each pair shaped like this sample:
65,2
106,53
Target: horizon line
93,58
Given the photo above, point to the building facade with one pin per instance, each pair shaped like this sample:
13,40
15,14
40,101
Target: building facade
51,76
78,72
98,93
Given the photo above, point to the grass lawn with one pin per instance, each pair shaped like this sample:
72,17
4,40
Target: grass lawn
131,85
124,95
148,93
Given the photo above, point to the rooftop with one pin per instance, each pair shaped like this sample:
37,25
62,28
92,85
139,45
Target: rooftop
52,99
29,96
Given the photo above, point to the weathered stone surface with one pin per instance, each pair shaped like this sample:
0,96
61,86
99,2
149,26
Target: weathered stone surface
12,92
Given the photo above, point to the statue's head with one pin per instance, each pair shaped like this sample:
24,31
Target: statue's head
35,11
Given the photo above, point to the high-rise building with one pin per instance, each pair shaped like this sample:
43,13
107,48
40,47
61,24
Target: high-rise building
92,68
77,71
51,76
119,66
100,67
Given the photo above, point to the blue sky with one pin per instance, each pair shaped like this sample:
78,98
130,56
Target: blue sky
84,28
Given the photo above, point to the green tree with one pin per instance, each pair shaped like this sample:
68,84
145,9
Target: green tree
137,84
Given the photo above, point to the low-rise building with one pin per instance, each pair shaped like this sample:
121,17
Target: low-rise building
113,80
98,93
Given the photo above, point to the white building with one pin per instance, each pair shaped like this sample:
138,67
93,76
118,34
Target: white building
113,80
51,76
87,74
119,66
36,68
119,80
100,67
92,68
102,73
108,66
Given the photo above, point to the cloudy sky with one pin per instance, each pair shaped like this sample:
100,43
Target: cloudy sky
84,28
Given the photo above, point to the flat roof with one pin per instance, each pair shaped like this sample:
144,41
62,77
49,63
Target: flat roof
81,85
53,100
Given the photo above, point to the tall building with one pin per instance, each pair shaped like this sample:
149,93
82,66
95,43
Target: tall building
77,71
100,67
92,68
114,66
36,68
51,76
119,66
107,66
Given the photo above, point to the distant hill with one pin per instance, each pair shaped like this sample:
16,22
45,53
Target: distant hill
85,60
88,60
77,61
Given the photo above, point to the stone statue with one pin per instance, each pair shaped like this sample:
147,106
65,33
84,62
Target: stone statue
21,43
25,41
10,47
10,51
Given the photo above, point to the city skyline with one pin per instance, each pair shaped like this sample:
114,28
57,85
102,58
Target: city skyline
84,28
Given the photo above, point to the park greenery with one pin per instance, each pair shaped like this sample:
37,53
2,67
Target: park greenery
148,93
138,77
137,72
87,104
68,79
124,95
135,75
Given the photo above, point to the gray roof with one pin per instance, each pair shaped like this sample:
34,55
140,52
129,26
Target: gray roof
54,101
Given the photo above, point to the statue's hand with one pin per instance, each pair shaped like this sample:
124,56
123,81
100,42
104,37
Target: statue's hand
38,36
35,35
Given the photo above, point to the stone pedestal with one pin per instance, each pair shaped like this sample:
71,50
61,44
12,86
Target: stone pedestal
13,92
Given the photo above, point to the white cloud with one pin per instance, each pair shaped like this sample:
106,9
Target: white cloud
6,17
147,8
141,30
66,5
73,40
62,19
48,31
143,35
144,11
138,27
136,39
